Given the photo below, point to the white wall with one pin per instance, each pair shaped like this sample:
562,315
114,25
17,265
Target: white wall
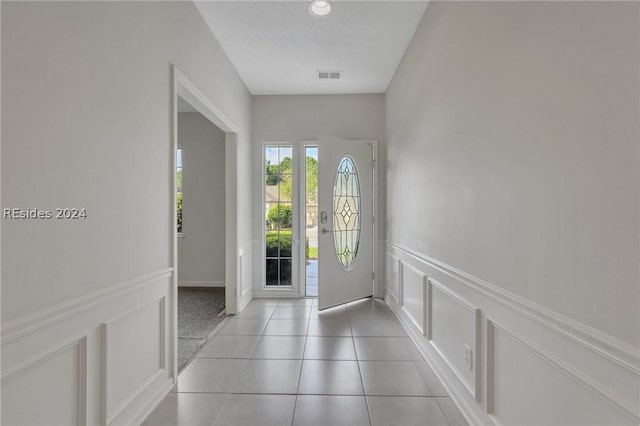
299,118
89,85
513,183
201,250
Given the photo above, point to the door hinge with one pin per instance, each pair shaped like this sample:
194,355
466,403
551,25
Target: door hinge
373,275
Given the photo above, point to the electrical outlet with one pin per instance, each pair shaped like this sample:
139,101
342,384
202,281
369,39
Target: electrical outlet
468,356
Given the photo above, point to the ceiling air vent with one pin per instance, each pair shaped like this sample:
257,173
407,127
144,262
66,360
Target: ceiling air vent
329,75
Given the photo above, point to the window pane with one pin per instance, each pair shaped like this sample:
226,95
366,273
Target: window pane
285,272
285,188
271,216
312,216
280,216
271,157
285,156
311,177
278,191
272,244
285,243
346,212
272,272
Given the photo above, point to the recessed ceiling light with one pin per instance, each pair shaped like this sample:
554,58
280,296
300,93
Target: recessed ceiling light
320,8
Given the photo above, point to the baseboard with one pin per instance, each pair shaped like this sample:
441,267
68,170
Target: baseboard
201,283
471,412
493,349
76,356
153,402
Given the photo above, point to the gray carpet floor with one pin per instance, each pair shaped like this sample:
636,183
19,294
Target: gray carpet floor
198,310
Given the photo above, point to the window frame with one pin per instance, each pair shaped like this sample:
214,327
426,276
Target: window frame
295,206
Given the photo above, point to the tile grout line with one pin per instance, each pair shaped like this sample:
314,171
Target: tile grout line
364,392
304,348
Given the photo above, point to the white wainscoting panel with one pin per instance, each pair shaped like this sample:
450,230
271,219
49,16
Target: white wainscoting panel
530,388
413,286
134,354
54,383
453,327
103,358
392,277
245,265
530,365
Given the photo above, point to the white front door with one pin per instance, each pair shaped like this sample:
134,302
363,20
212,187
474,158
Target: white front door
346,220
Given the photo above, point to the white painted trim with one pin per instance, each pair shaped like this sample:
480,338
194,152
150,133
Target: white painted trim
46,317
77,342
134,394
489,363
108,413
469,412
378,282
388,291
559,365
153,403
613,379
183,87
295,225
424,279
201,284
194,96
615,350
473,388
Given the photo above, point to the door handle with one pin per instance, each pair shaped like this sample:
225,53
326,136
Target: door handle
323,217
325,231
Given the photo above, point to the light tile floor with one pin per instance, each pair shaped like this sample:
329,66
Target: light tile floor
281,362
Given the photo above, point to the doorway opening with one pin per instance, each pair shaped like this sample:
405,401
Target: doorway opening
200,191
187,96
311,220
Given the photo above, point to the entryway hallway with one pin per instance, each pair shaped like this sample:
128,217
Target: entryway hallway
282,362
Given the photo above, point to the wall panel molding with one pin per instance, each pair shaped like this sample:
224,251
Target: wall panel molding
19,327
79,344
412,296
622,353
110,413
472,386
95,321
455,389
245,273
392,276
561,366
591,370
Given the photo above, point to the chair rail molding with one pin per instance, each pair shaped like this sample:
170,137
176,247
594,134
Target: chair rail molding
82,349
608,346
32,322
491,347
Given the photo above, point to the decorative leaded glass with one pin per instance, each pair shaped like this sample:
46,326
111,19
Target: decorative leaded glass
346,212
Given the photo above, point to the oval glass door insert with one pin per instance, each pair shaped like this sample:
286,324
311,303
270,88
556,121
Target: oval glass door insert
346,212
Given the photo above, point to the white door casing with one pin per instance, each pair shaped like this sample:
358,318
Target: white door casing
343,281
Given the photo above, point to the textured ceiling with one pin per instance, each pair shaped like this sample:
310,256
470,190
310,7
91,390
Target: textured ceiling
278,47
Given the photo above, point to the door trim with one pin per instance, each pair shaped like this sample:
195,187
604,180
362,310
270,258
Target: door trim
184,88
